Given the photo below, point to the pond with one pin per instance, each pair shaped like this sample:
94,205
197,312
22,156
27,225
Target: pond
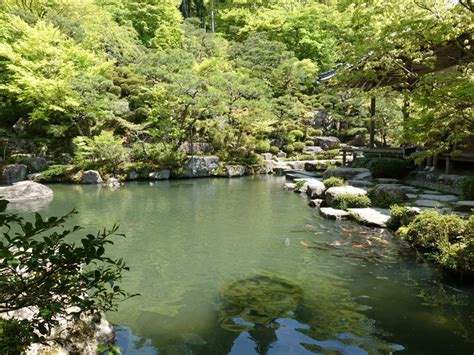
239,266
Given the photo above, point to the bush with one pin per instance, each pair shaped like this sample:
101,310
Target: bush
333,181
430,229
328,154
288,148
104,152
308,143
387,167
297,134
346,201
57,173
274,149
262,147
298,146
67,279
467,188
400,216
311,132
386,198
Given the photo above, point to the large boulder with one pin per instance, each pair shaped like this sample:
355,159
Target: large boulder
160,175
331,193
348,173
376,217
37,163
199,147
91,177
25,191
13,173
314,188
266,167
235,170
358,140
327,143
267,156
201,166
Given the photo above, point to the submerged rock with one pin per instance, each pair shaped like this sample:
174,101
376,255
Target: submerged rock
91,177
13,173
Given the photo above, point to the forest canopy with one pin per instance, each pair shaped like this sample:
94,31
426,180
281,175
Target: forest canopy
144,77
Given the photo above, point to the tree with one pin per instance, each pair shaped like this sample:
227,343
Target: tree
55,279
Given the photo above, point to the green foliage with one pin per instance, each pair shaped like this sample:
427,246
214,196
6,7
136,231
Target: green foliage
274,149
299,185
328,154
298,146
467,188
400,216
297,134
104,152
345,201
57,173
385,198
333,181
288,148
262,147
65,279
384,167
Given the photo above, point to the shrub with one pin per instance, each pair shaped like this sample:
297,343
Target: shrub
388,167
333,181
288,148
430,229
262,147
298,146
400,216
467,188
57,173
66,279
308,143
346,201
312,132
274,149
297,134
104,152
328,154
299,185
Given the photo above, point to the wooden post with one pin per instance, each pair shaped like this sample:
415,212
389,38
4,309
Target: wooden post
372,122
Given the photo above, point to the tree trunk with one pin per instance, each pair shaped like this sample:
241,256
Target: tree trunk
372,122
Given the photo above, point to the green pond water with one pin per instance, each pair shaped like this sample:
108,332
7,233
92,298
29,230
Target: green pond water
240,266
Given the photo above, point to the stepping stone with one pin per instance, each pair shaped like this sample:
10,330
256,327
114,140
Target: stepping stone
464,206
411,196
377,217
332,213
432,192
387,181
440,198
429,203
289,186
315,203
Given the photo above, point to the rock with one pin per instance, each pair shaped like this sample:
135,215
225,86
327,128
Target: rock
321,119
36,163
160,175
235,170
360,183
113,183
33,177
316,202
13,173
390,192
91,177
267,156
411,196
281,155
191,149
387,181
201,166
377,217
132,175
267,167
289,186
429,203
464,206
365,176
25,191
314,188
332,192
327,143
65,158
346,173
296,165
440,198
332,213
277,143
312,149
359,140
